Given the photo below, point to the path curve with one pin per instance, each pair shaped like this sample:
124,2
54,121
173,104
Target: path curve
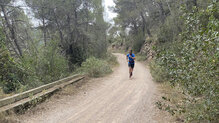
112,99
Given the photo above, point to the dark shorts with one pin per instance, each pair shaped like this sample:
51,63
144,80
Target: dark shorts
131,65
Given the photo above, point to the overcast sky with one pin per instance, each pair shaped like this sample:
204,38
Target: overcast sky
27,11
108,14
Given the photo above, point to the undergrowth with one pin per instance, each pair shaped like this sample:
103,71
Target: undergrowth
95,67
193,65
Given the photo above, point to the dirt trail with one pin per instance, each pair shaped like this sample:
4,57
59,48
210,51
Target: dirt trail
112,99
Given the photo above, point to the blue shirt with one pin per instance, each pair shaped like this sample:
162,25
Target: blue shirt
131,61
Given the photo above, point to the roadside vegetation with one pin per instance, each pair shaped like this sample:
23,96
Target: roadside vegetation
98,67
183,39
64,37
193,64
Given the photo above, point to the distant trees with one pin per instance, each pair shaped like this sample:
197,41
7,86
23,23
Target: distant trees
139,17
152,18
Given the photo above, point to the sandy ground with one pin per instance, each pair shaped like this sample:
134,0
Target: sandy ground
111,99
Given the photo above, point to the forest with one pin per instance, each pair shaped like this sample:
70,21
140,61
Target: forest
182,37
66,34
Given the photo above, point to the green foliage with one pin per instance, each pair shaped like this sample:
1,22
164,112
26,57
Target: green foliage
95,67
81,32
186,48
46,66
33,70
194,64
166,34
158,72
11,75
68,33
139,40
111,59
141,57
171,28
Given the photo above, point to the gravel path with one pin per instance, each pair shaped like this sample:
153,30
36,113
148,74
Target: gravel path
111,99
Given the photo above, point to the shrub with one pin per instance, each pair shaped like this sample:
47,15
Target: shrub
32,70
194,64
158,72
165,34
46,66
141,57
169,31
139,41
111,59
11,75
95,67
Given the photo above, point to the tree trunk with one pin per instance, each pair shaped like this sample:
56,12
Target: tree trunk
87,16
191,3
162,12
59,28
195,3
135,26
12,30
76,26
44,32
44,27
15,39
8,41
145,26
70,37
148,32
169,7
143,22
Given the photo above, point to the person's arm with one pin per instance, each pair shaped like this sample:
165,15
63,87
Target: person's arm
127,58
132,57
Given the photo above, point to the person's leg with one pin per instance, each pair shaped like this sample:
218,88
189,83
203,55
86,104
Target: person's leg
129,65
130,72
132,69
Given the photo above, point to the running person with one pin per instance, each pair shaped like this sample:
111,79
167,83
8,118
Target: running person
131,62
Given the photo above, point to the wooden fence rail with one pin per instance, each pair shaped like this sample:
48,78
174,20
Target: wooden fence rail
22,98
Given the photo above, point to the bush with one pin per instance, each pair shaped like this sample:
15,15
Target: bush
95,67
46,66
111,59
165,34
194,64
158,72
139,41
11,75
32,70
141,57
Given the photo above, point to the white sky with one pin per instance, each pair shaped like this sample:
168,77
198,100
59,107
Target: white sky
108,14
28,12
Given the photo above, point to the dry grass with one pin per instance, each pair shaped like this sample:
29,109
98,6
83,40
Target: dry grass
3,95
73,89
172,97
174,92
9,117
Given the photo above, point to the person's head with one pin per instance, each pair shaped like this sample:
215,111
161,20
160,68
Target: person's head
130,52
